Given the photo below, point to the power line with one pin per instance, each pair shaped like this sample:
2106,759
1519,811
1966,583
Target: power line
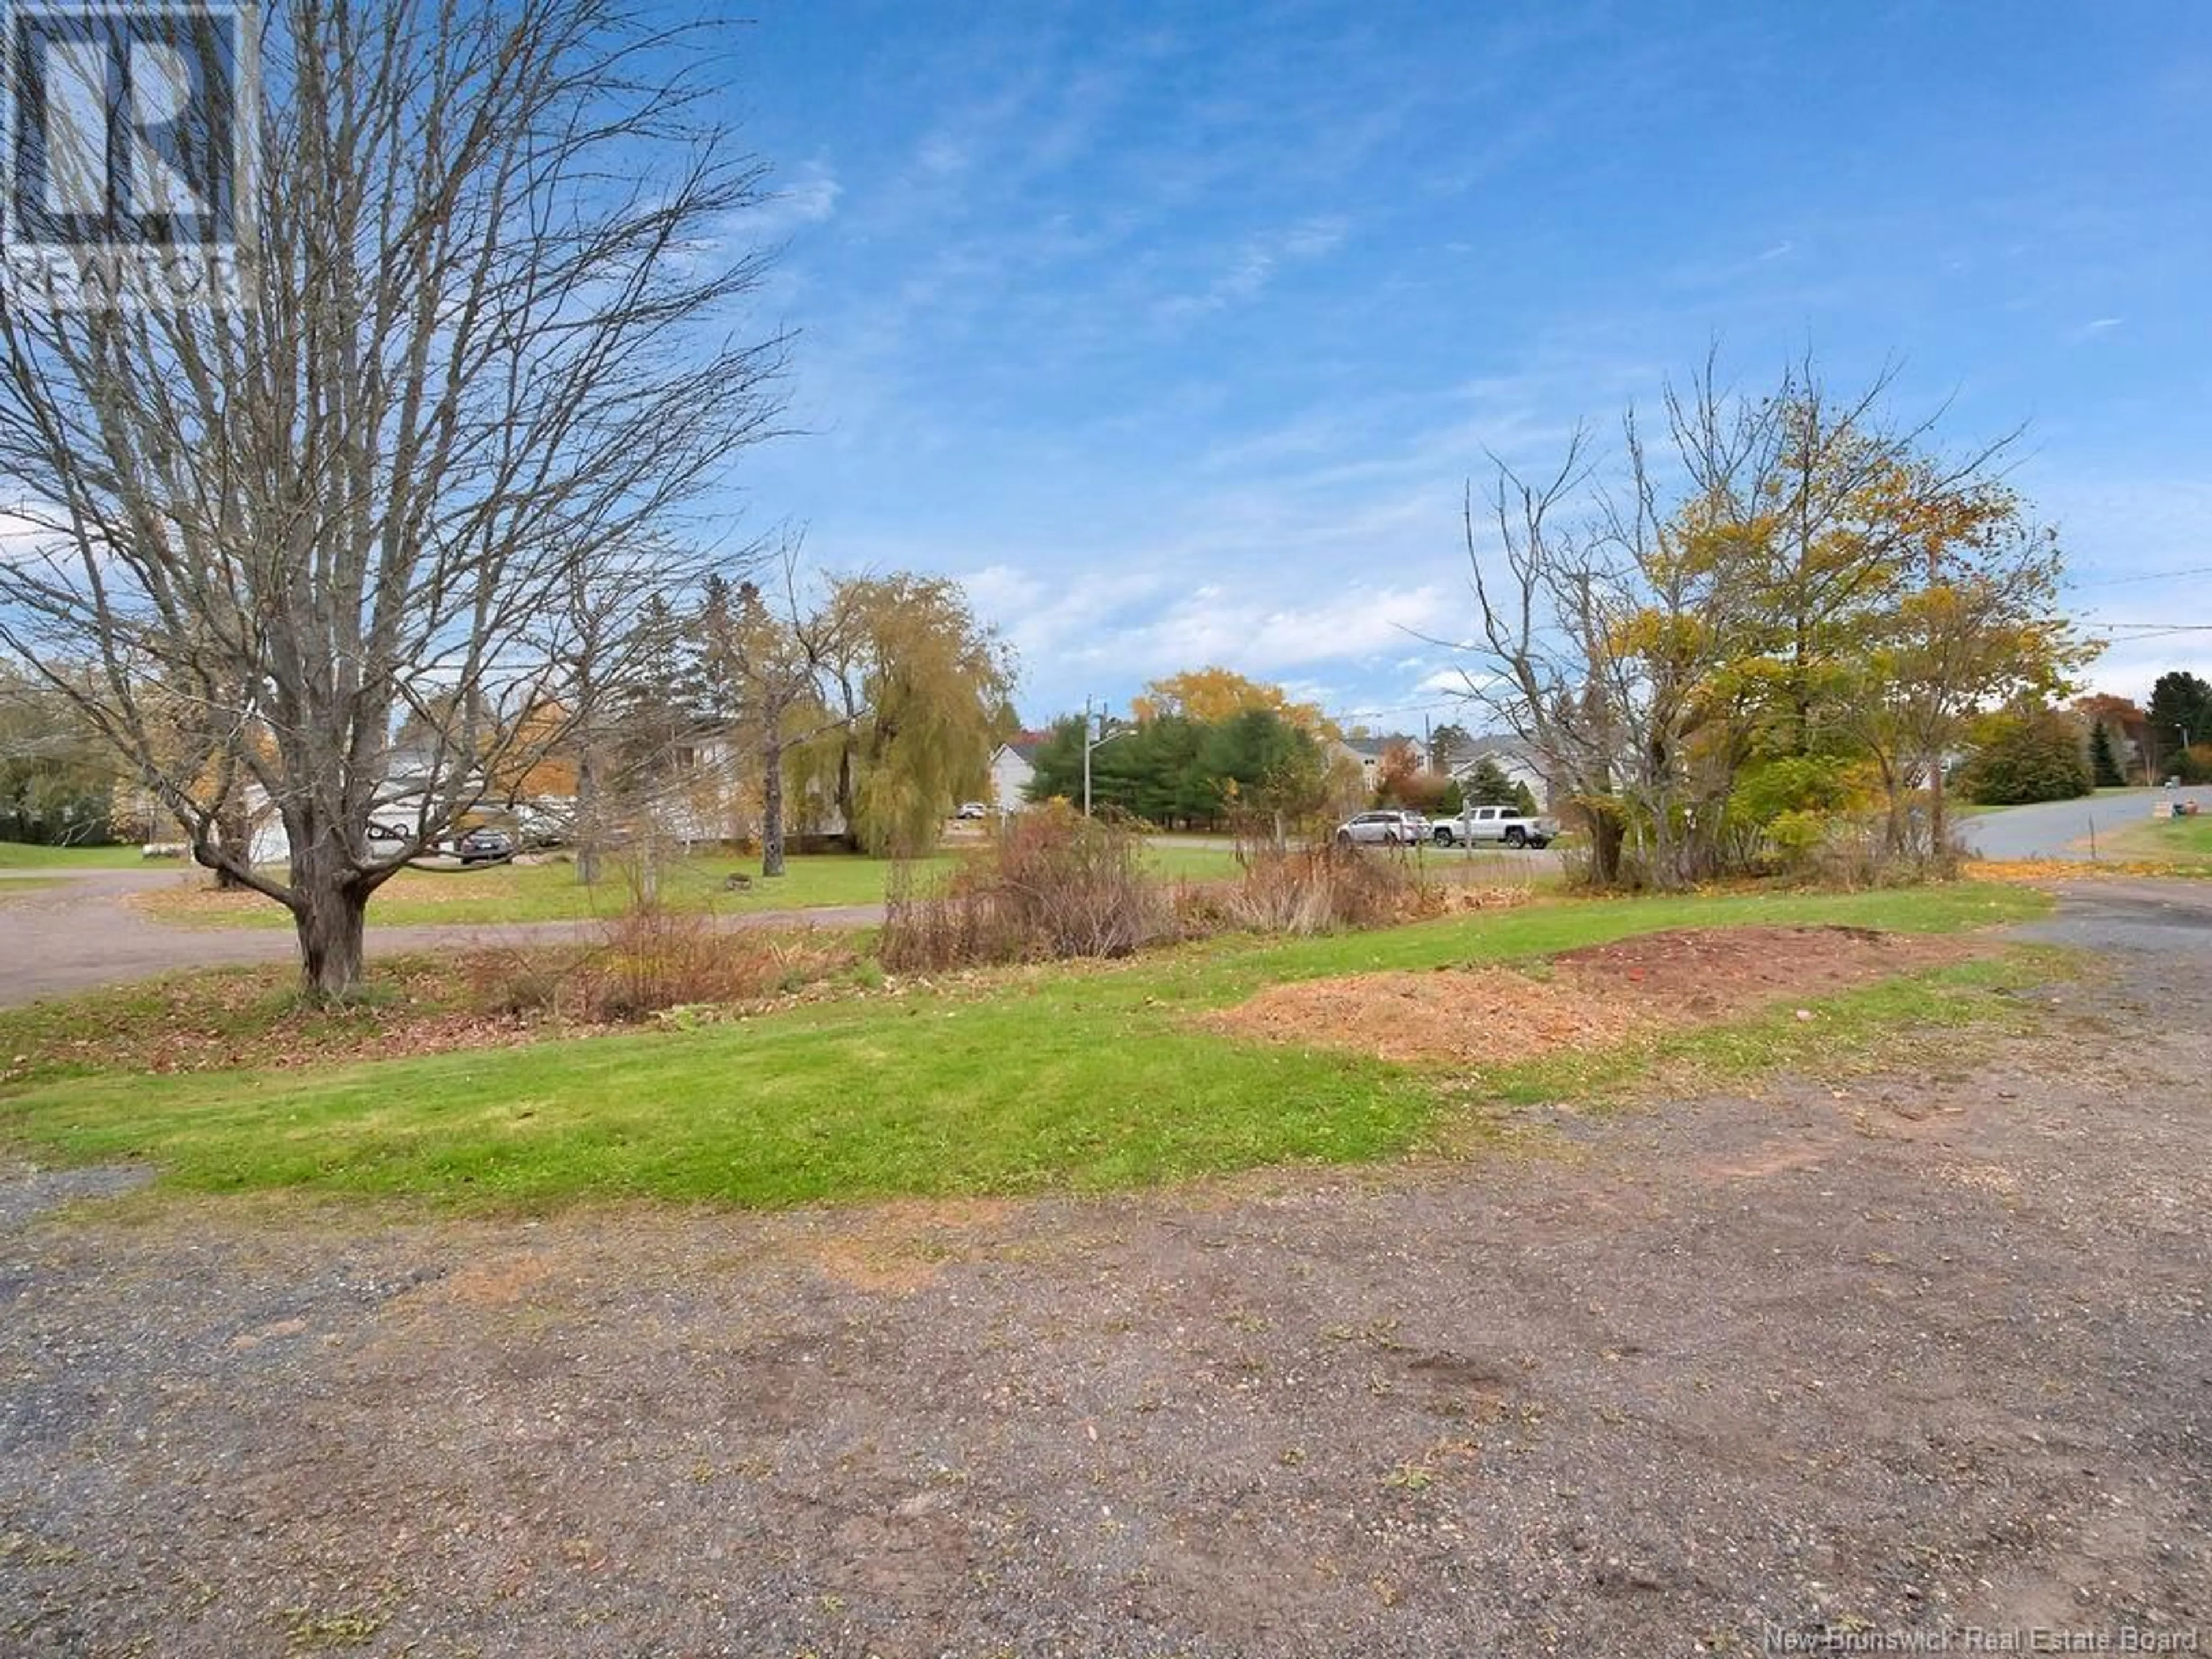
2145,576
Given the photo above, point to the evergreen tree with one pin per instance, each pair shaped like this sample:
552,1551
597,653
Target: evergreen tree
1487,785
1181,773
2027,752
2180,708
2104,763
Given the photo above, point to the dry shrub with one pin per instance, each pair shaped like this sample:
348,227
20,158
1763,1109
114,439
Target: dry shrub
1857,850
1320,888
1465,897
514,981
1051,884
649,959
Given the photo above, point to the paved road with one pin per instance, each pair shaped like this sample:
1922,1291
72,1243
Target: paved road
79,932
2064,829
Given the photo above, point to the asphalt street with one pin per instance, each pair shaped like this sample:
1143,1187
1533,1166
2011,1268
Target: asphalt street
2071,830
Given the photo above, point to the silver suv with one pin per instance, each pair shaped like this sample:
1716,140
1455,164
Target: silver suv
1383,829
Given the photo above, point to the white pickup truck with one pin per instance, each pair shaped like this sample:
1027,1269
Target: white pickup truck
1505,825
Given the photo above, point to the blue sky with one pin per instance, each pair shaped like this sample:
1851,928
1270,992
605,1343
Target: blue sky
1175,330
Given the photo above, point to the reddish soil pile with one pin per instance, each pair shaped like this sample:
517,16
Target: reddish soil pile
1705,971
1593,998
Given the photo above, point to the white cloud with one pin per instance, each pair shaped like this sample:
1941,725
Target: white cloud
808,197
2095,326
1254,264
1109,632
1450,681
942,156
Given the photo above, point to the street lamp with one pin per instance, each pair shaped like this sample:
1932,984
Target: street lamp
1094,736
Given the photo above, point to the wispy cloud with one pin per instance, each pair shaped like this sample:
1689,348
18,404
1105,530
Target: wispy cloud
1255,263
808,197
1119,628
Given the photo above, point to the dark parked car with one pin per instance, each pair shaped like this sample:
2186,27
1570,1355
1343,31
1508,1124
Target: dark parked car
485,846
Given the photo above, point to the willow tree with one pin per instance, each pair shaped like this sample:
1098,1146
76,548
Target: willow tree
488,335
916,684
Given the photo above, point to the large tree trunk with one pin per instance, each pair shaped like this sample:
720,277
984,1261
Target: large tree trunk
587,817
1896,830
1939,830
772,808
331,926
1607,837
330,908
845,808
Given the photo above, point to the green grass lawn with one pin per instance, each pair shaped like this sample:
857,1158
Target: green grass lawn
16,886
1087,1077
2183,841
21,856
489,896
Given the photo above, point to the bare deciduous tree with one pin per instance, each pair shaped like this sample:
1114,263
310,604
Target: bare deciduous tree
490,342
775,651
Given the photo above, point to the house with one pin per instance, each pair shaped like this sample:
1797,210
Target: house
1013,768
1517,761
1367,754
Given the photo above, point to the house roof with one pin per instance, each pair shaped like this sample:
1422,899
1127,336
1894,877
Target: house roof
1503,749
1023,745
1375,747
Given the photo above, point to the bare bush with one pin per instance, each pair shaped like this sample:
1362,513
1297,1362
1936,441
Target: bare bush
1053,884
1320,888
1861,849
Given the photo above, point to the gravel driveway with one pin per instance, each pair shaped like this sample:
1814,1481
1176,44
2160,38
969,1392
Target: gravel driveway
1922,1353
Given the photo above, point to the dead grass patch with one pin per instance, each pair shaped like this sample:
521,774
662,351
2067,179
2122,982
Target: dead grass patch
1468,1018
1596,997
898,1247
499,1280
2033,871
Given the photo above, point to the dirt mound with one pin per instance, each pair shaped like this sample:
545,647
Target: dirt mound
1594,997
1705,971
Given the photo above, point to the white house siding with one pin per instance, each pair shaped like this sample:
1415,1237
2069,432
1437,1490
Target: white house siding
1513,758
1010,773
